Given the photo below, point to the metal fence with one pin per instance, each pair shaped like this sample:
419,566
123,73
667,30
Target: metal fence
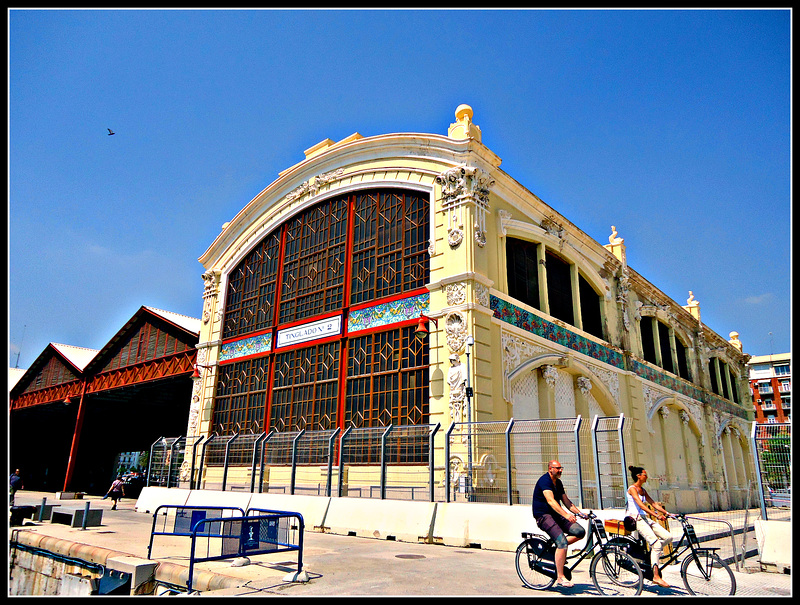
497,462
501,461
772,453
166,461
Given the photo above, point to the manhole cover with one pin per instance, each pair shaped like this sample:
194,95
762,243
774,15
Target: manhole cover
410,556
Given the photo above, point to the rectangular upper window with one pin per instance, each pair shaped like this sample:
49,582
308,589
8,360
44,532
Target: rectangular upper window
523,271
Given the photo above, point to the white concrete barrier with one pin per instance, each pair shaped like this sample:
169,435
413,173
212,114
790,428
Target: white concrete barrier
490,526
402,520
774,544
312,508
152,497
210,497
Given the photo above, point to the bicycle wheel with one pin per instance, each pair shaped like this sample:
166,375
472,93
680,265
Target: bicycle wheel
615,573
531,567
704,573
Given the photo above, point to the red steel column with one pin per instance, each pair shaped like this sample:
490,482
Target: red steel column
73,450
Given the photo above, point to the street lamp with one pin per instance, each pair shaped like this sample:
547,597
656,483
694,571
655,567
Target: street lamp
196,373
421,331
469,342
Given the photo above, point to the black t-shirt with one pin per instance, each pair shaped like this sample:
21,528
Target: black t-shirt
540,505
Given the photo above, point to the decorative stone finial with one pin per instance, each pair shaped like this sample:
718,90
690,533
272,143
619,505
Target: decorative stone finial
613,238
463,127
734,340
616,245
693,306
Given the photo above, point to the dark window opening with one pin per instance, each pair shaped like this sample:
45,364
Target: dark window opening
666,350
648,343
723,370
590,308
523,271
683,364
559,288
713,375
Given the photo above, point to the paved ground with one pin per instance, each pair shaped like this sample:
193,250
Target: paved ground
342,565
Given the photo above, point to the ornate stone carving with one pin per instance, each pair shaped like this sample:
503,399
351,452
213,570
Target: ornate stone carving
455,236
609,378
183,475
465,185
456,379
312,185
584,385
456,293
663,412
456,330
550,375
552,227
685,417
210,291
503,216
623,288
482,294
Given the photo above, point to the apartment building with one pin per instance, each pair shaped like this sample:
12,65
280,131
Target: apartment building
771,383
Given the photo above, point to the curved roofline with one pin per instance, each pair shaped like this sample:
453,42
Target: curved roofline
432,147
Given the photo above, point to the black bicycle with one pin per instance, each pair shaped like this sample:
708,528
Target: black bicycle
613,571
703,571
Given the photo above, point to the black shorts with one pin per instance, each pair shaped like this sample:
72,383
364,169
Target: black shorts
556,526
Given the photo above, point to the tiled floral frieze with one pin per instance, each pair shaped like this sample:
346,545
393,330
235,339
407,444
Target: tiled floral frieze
531,322
388,313
246,346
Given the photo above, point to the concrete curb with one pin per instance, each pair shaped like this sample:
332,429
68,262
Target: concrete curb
170,573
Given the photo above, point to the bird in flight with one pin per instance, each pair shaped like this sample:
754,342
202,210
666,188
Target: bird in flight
110,132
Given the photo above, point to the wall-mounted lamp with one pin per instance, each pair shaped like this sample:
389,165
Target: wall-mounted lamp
421,330
196,373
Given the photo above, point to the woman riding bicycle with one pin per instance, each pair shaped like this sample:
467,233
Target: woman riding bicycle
639,504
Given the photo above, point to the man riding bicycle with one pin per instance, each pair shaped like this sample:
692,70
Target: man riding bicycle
555,514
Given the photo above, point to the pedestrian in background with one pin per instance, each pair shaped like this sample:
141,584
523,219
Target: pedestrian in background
14,484
115,491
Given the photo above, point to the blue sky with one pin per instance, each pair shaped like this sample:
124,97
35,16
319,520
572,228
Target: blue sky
674,126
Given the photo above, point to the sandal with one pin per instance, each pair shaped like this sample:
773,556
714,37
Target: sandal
564,583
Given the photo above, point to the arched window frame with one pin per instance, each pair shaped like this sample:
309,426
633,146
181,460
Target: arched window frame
577,270
338,415
677,336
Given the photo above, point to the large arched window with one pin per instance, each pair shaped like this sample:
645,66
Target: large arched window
541,278
723,380
662,346
350,252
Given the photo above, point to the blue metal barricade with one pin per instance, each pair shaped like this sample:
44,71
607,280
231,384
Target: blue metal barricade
186,519
267,532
